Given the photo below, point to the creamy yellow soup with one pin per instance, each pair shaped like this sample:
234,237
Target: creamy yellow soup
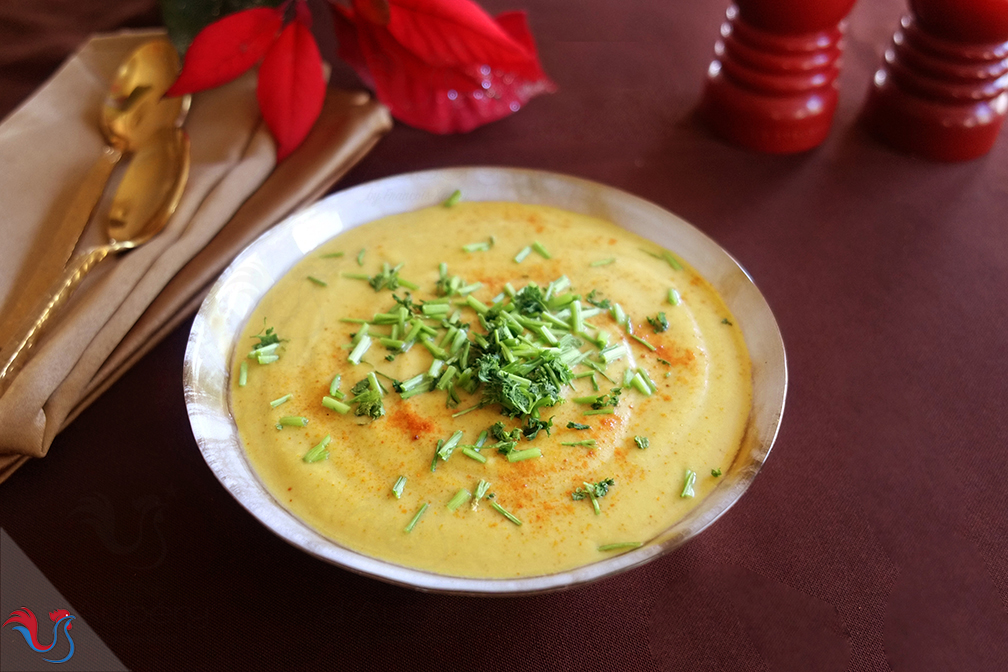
693,418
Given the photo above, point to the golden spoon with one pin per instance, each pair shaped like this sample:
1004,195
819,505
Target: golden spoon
133,111
146,198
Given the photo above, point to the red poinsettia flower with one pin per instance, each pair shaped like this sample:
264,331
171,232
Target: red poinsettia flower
291,84
444,66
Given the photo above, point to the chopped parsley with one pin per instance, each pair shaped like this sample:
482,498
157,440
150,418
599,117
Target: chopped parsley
659,322
367,395
715,472
642,442
593,491
597,301
577,425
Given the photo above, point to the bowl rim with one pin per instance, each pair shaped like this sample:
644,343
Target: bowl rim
208,349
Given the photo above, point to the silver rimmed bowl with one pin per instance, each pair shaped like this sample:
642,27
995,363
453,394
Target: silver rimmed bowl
239,289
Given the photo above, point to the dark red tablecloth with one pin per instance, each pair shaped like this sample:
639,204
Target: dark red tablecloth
876,536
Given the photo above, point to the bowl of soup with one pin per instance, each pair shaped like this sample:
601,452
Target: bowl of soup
485,380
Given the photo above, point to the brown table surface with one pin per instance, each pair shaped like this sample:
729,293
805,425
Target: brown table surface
876,536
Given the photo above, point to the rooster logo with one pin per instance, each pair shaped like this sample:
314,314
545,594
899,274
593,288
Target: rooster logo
26,624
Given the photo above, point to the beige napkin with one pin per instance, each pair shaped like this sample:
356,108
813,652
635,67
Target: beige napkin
234,193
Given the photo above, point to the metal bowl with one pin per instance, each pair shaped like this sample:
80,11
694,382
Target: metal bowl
240,288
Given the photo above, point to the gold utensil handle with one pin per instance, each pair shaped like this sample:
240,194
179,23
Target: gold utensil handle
86,200
14,353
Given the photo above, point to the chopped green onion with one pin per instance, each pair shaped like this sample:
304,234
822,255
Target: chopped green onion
600,411
642,442
317,281
470,452
455,197
435,309
265,350
525,251
520,455
620,546
392,343
538,247
267,359
478,247
613,352
397,489
643,342
673,296
481,489
359,350
647,379
460,498
360,257
672,261
293,421
333,255
319,452
602,262
577,319
243,374
687,490
334,390
637,382
335,405
504,512
715,472
445,451
416,518
586,442
282,400
477,305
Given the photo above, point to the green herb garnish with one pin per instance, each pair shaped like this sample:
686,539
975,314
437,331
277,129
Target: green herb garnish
293,421
659,323
577,425
619,546
335,405
319,452
504,512
282,400
460,498
416,518
243,374
715,472
455,197
593,491
642,442
585,442
367,396
687,490
602,262
397,489
317,281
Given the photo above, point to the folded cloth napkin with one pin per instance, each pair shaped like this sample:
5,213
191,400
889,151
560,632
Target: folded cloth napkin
235,192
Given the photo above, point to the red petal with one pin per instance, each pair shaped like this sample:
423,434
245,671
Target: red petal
291,87
227,48
349,49
445,99
452,33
